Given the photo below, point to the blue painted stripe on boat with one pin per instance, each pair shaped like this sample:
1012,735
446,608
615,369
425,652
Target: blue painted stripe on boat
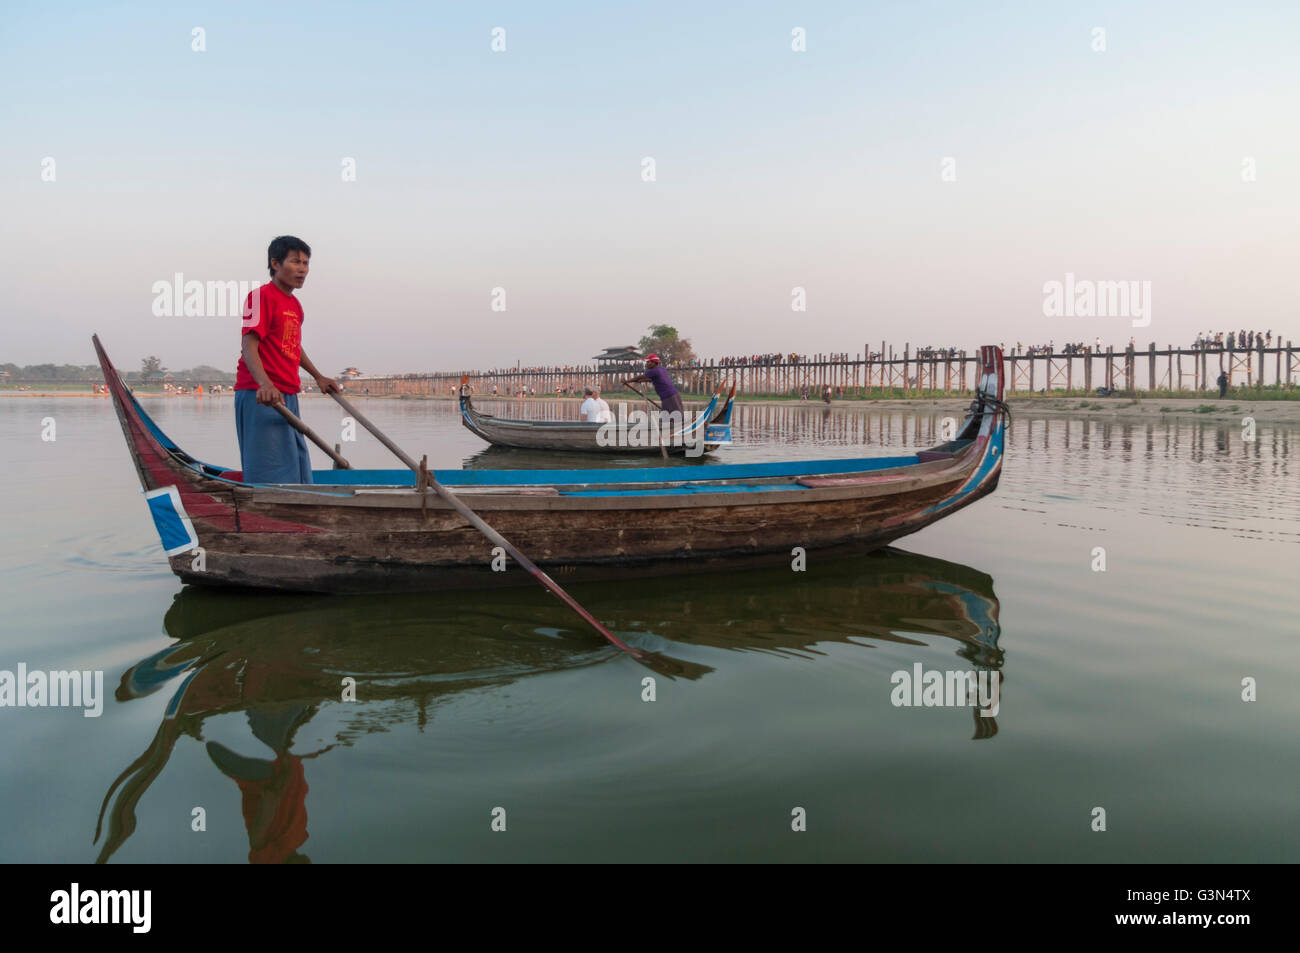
991,459
730,471
689,490
364,477
152,427
684,474
167,443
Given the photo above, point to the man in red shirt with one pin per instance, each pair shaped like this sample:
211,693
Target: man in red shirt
270,450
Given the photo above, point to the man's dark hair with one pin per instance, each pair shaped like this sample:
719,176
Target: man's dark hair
280,248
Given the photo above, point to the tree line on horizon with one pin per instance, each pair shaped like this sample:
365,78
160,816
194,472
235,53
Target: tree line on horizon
151,369
662,339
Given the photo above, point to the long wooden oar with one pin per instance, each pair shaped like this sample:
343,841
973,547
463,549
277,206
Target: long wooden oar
644,395
646,398
422,475
313,436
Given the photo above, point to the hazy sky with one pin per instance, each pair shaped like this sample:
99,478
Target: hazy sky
523,169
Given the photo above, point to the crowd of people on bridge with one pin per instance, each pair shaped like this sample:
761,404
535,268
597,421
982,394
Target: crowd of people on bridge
1240,340
770,360
759,360
1071,347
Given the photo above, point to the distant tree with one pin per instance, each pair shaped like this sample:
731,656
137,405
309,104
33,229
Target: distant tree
206,372
665,341
151,368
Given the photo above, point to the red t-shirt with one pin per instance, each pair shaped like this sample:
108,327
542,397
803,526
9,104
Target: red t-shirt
277,322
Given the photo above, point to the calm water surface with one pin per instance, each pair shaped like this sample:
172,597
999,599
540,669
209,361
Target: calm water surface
1121,689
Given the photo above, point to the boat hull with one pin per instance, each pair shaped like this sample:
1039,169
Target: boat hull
345,534
402,548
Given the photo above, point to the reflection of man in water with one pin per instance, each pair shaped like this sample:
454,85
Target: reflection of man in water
274,792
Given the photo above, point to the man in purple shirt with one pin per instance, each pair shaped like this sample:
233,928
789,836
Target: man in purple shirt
668,396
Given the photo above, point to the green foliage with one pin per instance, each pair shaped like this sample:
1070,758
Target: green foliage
208,373
152,370
660,335
665,341
52,372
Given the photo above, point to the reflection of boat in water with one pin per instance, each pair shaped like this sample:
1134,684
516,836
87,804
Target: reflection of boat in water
280,660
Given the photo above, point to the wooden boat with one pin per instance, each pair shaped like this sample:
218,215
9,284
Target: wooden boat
629,433
372,530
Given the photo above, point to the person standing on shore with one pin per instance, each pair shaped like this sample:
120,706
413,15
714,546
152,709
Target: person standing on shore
1223,384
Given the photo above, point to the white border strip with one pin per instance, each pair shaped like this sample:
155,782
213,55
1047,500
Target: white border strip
175,494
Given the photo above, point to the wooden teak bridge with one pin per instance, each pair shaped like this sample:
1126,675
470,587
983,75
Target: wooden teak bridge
927,372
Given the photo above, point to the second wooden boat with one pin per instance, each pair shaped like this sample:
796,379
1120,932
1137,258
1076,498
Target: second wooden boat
635,432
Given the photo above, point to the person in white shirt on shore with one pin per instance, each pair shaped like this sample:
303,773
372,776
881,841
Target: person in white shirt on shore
594,409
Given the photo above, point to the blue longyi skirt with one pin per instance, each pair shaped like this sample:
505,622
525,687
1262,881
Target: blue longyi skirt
270,450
